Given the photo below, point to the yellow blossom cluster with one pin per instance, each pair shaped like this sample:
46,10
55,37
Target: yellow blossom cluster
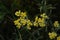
52,35
17,23
36,22
44,16
17,13
20,14
22,20
56,24
29,23
40,21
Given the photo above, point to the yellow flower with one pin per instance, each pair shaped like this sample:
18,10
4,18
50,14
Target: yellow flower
18,25
28,27
52,35
16,21
56,24
23,14
42,24
36,19
41,20
29,23
23,21
58,38
17,13
36,24
44,15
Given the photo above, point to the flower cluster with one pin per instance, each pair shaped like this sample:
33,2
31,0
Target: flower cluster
22,20
44,16
52,35
21,14
40,21
56,24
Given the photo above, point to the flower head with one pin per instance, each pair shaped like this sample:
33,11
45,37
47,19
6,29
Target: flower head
42,25
23,21
35,24
36,19
16,21
44,15
56,24
18,25
41,20
29,23
23,14
52,35
17,13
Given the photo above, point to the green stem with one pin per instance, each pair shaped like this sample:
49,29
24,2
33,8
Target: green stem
19,35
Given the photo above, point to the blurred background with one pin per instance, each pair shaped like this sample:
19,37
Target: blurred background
8,8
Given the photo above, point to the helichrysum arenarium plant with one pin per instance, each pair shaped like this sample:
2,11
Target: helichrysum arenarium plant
39,22
41,25
39,28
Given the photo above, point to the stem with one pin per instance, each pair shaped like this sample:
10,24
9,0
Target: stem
19,35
